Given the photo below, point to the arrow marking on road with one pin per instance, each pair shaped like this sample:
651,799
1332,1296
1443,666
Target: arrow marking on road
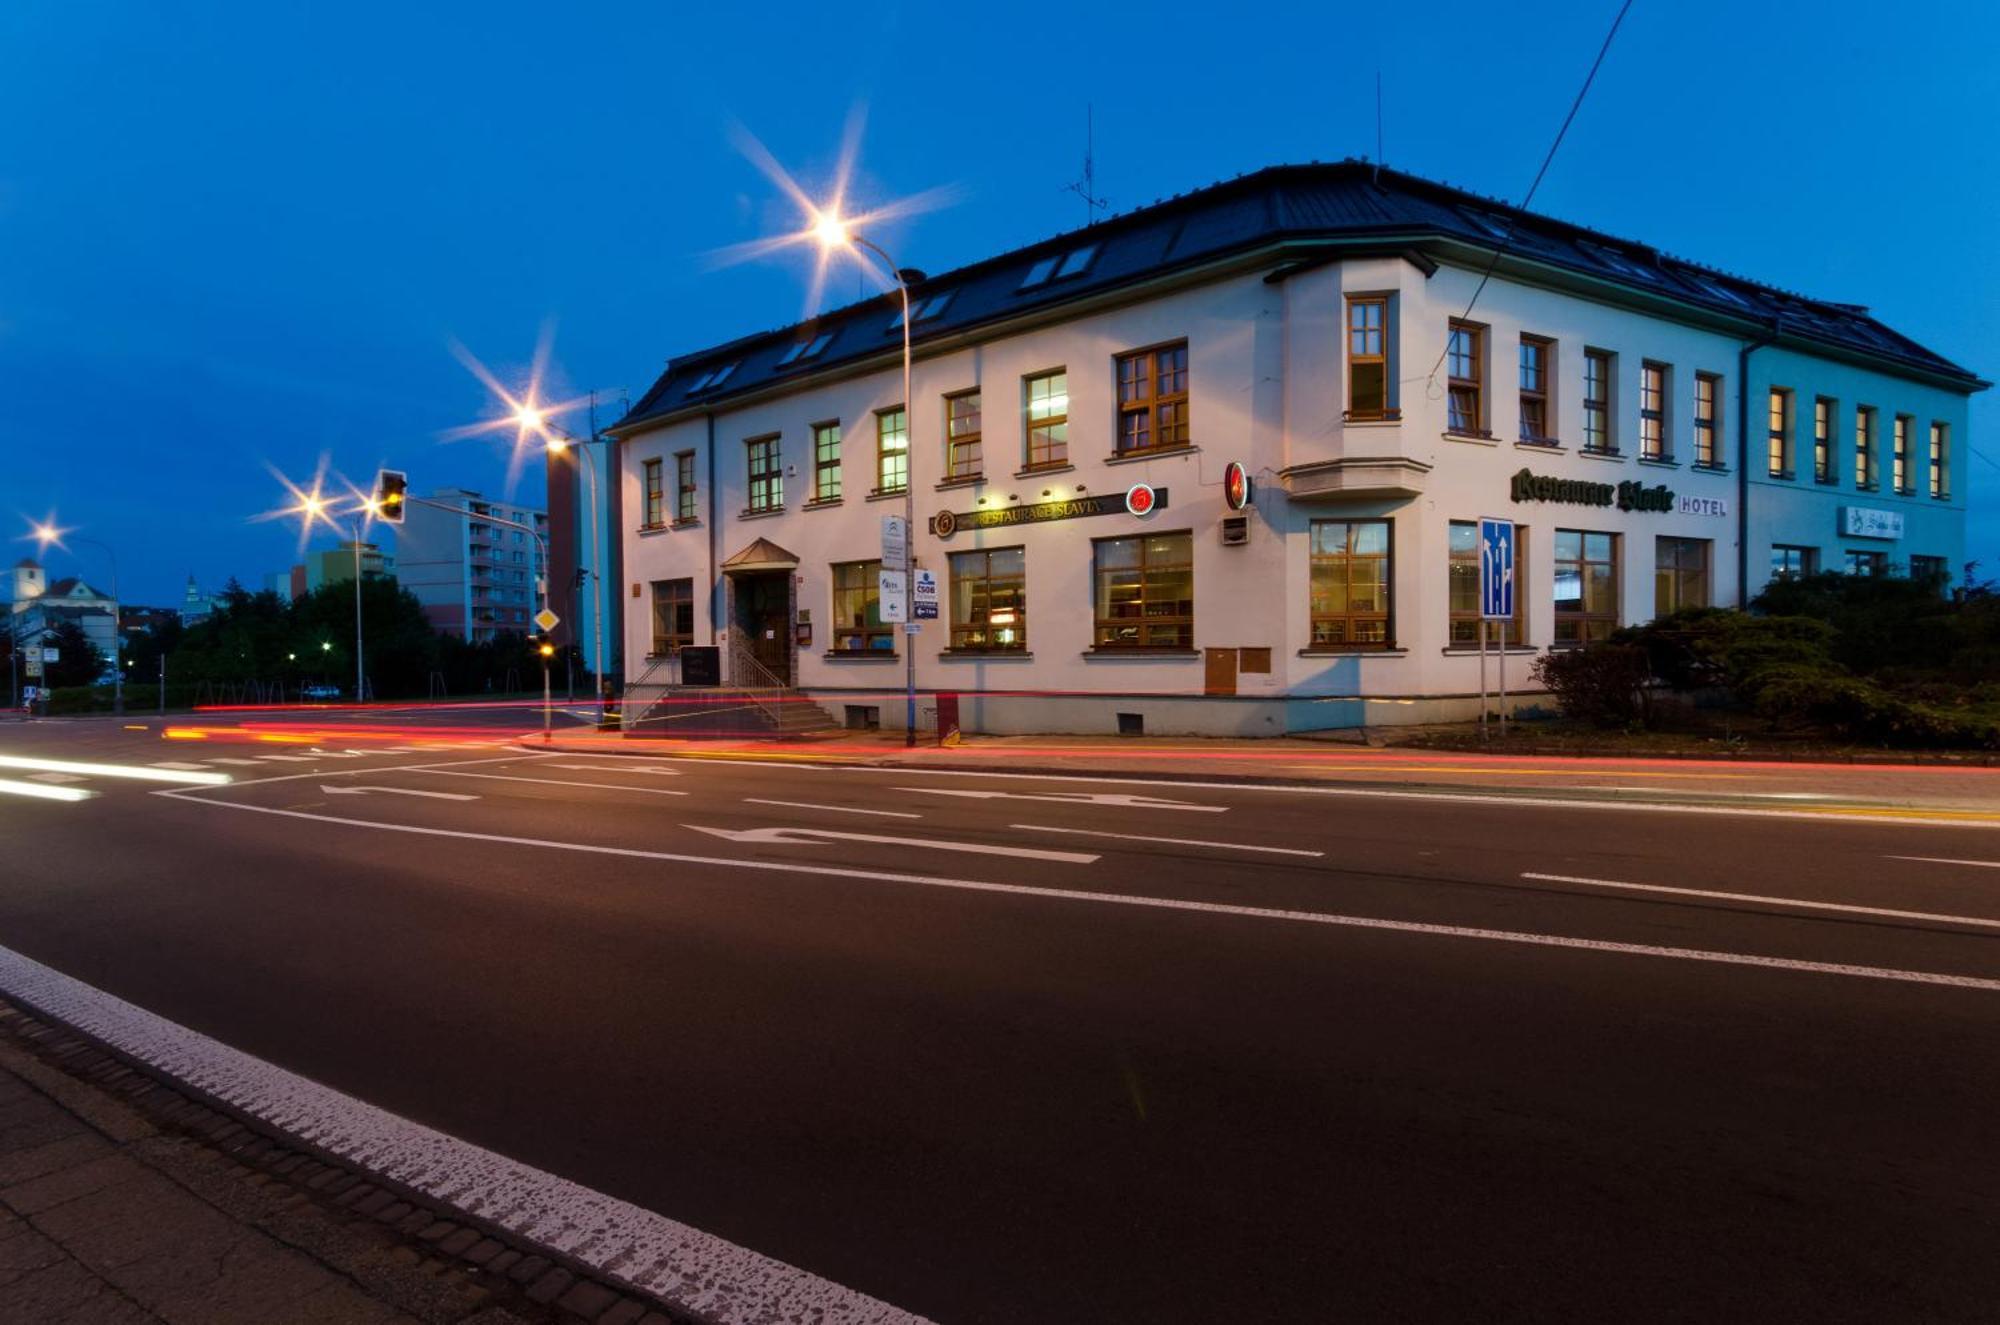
1122,799
816,837
603,768
396,791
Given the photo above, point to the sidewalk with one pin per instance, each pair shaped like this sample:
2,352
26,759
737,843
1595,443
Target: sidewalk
109,1219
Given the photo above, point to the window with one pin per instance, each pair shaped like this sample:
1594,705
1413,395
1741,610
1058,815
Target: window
1597,434
1586,587
1864,448
826,461
1464,407
655,495
1143,592
1048,420
712,378
1779,460
1899,454
1823,440
1059,267
1929,570
805,349
1680,574
892,449
1653,379
684,485
1707,421
1791,562
1535,356
767,477
1463,588
857,609
673,616
989,599
1350,584
1153,400
1867,563
923,310
962,458
1940,452
1367,357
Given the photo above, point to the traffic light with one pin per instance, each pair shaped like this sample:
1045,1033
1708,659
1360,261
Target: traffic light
392,487
545,646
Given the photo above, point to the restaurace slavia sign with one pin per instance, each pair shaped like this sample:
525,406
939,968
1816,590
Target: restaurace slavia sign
1626,496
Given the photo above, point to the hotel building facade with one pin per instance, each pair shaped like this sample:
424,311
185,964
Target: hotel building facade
1385,361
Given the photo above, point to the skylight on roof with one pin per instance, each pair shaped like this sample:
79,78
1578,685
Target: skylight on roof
1486,221
1060,266
805,349
722,373
1077,262
712,378
1617,261
1719,290
923,310
1039,273
701,381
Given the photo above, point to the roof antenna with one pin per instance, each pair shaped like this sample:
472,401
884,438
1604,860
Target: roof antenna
1377,179
1086,188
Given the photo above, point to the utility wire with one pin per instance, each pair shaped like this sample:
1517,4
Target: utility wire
1547,161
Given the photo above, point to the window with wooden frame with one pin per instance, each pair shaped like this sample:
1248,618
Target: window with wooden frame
826,461
1350,584
1707,421
1143,592
673,616
1048,419
892,449
963,458
684,495
1778,457
1465,404
1654,389
767,473
1899,454
857,609
1463,588
1791,561
1940,460
1864,448
989,600
1586,586
1871,564
1598,437
1368,357
1153,400
1537,354
1823,409
1680,574
656,497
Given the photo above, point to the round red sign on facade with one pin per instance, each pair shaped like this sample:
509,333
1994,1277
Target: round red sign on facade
1139,499
1235,485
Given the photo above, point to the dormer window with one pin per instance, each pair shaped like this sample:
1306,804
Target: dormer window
806,349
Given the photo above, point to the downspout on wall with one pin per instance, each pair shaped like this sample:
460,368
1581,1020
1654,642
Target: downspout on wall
714,580
1743,354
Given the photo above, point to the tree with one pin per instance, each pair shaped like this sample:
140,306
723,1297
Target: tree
78,661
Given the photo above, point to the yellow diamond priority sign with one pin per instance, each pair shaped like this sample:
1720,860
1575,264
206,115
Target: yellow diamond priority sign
546,620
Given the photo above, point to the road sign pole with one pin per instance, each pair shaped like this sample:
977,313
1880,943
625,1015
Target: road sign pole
548,707
1482,678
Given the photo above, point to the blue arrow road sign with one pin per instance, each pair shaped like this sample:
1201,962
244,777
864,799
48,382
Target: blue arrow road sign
1496,570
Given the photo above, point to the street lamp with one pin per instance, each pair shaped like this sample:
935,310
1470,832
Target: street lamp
831,232
46,533
317,508
533,418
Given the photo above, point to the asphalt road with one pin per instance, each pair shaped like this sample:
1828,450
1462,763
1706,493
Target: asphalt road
1011,1049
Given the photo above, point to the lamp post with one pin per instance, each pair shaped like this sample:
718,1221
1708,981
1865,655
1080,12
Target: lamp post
47,533
832,232
315,507
557,441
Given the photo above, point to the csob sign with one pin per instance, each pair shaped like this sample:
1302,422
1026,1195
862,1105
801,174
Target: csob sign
1496,569
1869,522
924,596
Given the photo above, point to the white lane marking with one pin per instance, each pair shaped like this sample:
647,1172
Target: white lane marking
57,779
240,763
1526,939
601,768
1946,860
546,782
819,837
336,754
290,759
702,1275
185,768
399,791
1170,841
37,791
840,809
1123,800
1498,800
1767,901
138,772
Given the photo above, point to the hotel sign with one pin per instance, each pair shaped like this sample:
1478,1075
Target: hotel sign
1626,496
946,523
1868,522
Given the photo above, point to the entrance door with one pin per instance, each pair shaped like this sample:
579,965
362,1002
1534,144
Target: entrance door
764,615
1218,676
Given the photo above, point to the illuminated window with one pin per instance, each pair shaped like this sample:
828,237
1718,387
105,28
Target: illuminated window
1048,419
1864,448
1940,461
1463,588
989,599
1823,412
892,449
684,485
1680,574
673,616
826,461
1653,395
1367,357
1778,460
1899,454
1464,401
1535,377
962,447
1707,420
857,609
656,497
767,475
1143,592
1597,377
1153,400
1350,584
1586,586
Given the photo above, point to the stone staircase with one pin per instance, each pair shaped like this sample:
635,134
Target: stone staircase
656,706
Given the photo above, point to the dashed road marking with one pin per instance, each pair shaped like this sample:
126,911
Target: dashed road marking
1945,860
1766,901
1169,841
183,767
839,809
546,782
819,837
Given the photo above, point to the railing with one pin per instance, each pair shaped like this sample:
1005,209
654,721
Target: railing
759,684
661,674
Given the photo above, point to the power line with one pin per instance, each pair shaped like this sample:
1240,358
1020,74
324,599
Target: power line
1547,161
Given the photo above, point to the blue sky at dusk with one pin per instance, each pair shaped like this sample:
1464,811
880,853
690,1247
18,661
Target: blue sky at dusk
235,235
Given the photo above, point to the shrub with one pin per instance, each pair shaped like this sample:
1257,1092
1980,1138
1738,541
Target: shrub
1608,684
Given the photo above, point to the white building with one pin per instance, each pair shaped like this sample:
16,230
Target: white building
1311,325
476,579
36,607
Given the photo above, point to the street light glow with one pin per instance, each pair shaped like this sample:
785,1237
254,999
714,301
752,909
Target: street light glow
831,231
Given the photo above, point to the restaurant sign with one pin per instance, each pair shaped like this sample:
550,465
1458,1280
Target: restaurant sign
1626,496
946,523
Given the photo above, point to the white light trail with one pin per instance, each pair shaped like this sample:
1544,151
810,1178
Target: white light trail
113,771
42,791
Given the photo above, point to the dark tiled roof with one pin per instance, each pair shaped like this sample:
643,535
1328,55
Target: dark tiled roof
1345,200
